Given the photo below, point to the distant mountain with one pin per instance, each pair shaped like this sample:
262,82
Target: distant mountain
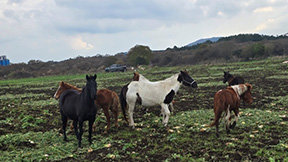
213,39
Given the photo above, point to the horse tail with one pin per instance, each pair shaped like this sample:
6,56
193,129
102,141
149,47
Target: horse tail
115,102
123,100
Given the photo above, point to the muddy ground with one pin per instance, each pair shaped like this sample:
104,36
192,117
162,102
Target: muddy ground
158,143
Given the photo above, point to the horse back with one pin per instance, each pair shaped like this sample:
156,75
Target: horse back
237,80
104,97
224,98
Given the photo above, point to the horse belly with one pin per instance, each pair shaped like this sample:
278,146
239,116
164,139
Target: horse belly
149,102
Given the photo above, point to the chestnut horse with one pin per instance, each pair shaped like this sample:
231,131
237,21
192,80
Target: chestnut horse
106,99
228,100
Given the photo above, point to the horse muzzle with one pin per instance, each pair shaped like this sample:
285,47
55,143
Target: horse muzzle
194,85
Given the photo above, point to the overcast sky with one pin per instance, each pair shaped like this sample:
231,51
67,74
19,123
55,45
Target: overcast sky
62,29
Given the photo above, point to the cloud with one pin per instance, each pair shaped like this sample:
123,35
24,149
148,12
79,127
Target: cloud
55,29
263,9
78,44
264,25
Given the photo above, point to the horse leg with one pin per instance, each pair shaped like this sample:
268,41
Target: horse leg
131,110
75,128
172,107
217,118
106,112
166,113
163,114
217,129
236,112
91,122
114,109
64,124
227,119
80,133
71,126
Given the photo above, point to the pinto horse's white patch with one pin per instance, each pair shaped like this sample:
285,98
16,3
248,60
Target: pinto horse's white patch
239,89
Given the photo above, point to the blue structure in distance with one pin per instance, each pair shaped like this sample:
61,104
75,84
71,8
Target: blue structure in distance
4,61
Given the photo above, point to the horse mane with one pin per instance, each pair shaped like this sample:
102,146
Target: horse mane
140,75
172,77
69,86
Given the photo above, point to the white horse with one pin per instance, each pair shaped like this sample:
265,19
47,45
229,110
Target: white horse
154,93
141,78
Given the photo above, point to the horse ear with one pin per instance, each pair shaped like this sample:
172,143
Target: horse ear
95,76
87,77
249,86
62,83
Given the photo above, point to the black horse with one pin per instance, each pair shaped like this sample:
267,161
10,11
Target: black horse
79,107
231,79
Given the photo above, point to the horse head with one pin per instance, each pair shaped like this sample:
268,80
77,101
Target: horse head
246,96
227,76
186,79
60,89
91,86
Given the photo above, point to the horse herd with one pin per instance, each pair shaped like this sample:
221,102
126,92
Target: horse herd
81,105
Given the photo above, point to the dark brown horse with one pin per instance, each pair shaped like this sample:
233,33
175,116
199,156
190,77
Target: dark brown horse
106,99
228,100
79,107
231,79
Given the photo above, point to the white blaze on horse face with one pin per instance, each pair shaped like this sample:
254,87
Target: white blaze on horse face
57,92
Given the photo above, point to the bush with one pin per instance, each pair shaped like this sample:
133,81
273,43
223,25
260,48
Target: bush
139,55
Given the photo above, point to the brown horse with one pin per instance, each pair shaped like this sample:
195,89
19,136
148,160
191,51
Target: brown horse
228,100
106,99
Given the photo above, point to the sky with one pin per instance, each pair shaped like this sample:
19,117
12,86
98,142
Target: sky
55,30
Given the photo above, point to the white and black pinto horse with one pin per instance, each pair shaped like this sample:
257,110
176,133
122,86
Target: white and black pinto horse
154,93
141,78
